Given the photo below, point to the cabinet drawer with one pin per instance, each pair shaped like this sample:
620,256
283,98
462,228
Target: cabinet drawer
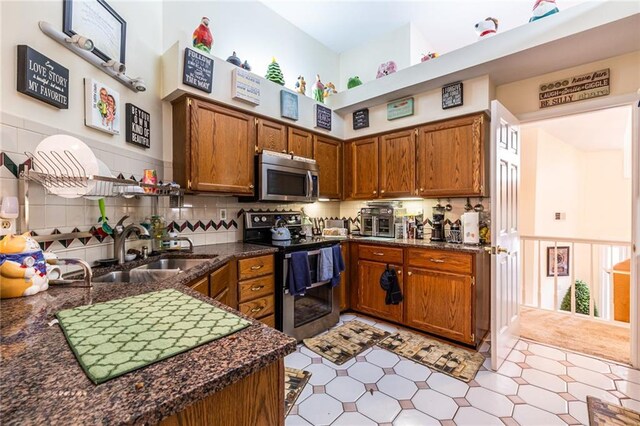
255,267
380,254
258,308
441,260
269,320
255,288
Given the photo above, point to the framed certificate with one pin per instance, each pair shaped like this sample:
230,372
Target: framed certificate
97,21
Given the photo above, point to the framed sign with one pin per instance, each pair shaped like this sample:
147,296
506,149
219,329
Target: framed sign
400,108
97,21
137,126
198,70
361,119
452,95
288,105
323,117
42,78
561,260
245,86
573,89
102,107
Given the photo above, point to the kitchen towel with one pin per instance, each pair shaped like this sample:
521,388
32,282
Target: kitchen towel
298,276
325,264
338,265
113,338
389,283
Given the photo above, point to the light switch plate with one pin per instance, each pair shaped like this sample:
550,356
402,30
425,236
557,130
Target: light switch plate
222,214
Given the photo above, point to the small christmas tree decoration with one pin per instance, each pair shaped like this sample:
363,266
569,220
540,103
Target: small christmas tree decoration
301,85
318,90
542,8
353,82
274,73
202,38
233,59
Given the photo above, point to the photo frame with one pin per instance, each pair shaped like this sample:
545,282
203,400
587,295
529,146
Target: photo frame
99,22
102,107
562,255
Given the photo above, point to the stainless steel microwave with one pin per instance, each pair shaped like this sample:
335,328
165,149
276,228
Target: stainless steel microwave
281,178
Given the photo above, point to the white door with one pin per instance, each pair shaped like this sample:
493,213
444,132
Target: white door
635,263
505,239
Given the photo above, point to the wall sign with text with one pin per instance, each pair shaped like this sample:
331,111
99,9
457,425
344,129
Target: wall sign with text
288,104
42,78
400,108
323,117
574,89
361,119
452,95
198,70
245,86
138,126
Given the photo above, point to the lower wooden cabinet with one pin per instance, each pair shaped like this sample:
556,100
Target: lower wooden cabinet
256,288
343,287
222,285
201,285
370,296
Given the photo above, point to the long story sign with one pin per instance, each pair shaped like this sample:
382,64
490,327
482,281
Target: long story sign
42,78
198,70
573,89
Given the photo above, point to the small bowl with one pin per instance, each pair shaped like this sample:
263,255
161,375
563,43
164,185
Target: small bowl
107,262
129,257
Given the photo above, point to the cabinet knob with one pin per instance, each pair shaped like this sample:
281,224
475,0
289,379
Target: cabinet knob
378,253
382,192
375,192
254,310
251,186
291,152
399,272
421,189
257,288
409,273
436,260
256,267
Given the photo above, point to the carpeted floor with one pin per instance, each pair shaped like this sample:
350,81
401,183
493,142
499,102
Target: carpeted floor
576,334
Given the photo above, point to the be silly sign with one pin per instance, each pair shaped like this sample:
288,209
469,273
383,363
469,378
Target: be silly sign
42,78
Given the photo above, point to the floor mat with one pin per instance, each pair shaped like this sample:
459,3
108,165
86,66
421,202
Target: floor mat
346,341
602,413
463,364
294,382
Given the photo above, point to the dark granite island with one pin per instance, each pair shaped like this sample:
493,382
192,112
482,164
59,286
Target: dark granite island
234,380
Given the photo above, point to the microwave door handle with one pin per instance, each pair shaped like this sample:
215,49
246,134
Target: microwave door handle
309,184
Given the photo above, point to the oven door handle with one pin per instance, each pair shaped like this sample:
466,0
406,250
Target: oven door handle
314,285
310,253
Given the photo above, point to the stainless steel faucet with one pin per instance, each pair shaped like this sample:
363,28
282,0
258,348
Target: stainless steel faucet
120,234
86,268
190,249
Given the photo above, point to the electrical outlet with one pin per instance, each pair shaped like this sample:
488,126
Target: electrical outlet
7,226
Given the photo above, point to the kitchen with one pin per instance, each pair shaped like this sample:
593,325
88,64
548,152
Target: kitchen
236,263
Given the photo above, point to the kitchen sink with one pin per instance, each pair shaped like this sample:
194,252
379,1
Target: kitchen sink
172,263
136,276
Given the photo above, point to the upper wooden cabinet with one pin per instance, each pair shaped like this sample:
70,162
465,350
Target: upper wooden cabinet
328,155
271,136
213,147
451,158
300,143
397,164
361,169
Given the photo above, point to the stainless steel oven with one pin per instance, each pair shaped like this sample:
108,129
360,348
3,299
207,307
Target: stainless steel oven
282,178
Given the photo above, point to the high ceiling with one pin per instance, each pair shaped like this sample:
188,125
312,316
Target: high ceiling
446,24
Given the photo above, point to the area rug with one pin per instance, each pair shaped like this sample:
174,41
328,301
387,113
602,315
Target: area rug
460,363
346,341
602,413
294,382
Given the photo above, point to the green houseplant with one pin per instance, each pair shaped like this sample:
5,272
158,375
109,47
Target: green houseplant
582,299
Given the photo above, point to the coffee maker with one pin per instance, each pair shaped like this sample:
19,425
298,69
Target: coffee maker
437,223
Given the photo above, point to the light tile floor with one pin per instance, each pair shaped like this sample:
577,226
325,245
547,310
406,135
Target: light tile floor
537,385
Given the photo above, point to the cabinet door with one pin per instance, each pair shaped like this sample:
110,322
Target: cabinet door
398,164
328,155
222,285
222,148
271,136
450,157
300,143
361,169
371,296
201,285
439,303
343,287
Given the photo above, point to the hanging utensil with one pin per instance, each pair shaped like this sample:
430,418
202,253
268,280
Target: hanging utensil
468,207
478,207
448,207
103,218
438,206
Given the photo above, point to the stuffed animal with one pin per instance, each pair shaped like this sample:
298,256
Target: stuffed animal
202,38
543,8
318,90
353,82
23,270
428,56
301,85
329,89
386,69
487,28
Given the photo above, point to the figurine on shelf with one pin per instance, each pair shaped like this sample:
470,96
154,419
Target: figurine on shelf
543,8
353,82
428,56
202,38
233,59
23,269
329,89
386,69
301,85
487,28
318,90
274,73
246,66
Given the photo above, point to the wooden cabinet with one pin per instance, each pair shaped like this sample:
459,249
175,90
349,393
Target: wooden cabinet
213,147
328,155
201,285
256,288
222,285
300,143
450,157
361,169
397,164
343,287
370,296
271,136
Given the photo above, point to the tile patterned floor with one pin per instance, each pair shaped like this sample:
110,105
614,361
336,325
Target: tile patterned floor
537,385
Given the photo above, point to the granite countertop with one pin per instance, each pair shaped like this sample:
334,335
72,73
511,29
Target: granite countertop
42,382
439,245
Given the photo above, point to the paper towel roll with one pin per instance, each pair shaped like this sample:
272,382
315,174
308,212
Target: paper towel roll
471,227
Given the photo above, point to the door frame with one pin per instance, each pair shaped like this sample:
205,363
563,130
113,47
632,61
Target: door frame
595,105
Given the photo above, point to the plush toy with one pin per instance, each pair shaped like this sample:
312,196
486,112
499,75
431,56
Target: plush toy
329,89
428,56
318,90
386,69
487,28
274,73
353,82
202,38
233,59
246,66
543,8
301,85
23,270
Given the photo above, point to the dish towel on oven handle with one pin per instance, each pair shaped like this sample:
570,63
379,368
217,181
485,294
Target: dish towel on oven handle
389,283
325,264
298,275
338,265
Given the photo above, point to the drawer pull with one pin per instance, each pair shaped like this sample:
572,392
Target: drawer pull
378,253
409,273
399,272
257,288
254,310
436,260
256,267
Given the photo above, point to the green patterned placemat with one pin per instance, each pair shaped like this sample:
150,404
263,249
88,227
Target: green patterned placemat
116,337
